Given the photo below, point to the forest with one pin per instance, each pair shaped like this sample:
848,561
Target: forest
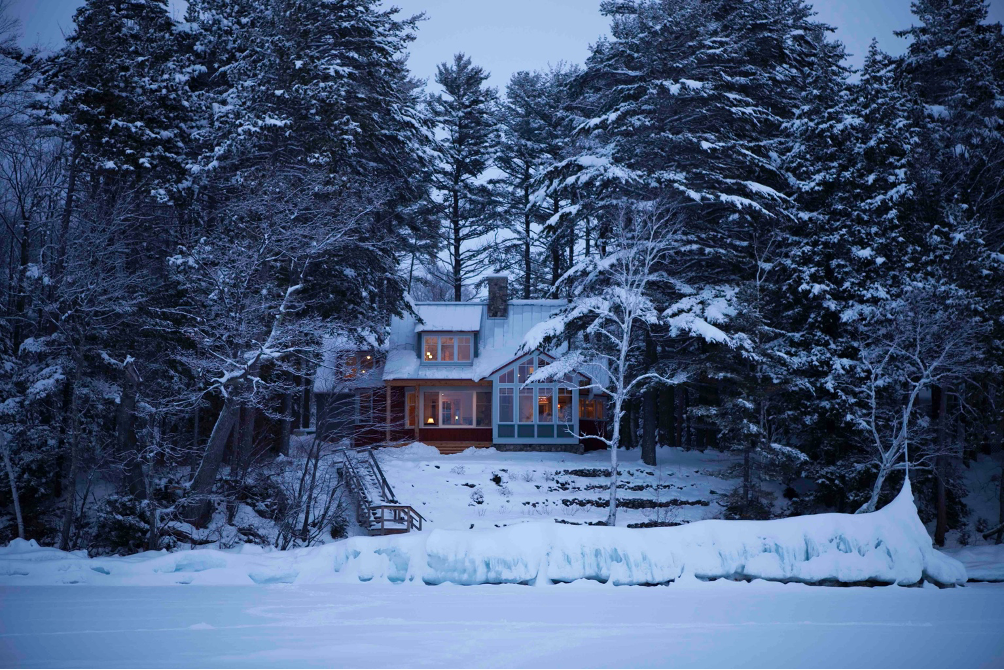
801,262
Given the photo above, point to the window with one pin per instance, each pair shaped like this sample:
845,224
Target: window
457,408
447,349
409,412
464,348
460,407
564,405
507,377
430,413
483,408
526,405
545,405
505,405
525,370
431,348
593,409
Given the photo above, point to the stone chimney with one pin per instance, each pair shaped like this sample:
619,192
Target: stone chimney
498,296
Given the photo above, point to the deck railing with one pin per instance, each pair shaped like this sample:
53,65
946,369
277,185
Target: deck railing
379,517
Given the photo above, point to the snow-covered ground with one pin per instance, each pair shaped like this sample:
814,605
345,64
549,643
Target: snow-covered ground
485,488
720,624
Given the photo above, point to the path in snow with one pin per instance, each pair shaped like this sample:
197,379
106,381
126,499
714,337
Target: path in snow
583,624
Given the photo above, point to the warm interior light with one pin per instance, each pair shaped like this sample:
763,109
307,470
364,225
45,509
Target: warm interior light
430,420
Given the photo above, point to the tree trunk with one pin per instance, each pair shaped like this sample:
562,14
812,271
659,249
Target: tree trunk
666,414
13,489
202,484
64,228
125,432
20,289
555,251
71,484
286,426
527,263
649,403
305,400
1000,503
457,267
614,443
940,400
876,492
246,444
681,393
304,531
195,441
648,426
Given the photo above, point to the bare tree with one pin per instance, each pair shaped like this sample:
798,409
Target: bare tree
906,346
609,314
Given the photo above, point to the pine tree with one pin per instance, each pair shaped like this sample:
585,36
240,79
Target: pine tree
534,133
465,117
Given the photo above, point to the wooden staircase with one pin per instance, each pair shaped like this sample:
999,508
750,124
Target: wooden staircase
377,510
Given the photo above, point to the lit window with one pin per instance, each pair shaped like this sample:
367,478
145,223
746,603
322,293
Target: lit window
526,405
410,411
430,407
507,377
545,405
366,362
483,409
464,348
505,405
587,410
351,366
431,348
446,350
525,370
457,408
564,405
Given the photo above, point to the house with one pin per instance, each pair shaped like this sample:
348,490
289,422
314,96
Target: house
455,378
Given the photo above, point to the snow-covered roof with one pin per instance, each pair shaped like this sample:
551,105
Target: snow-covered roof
499,340
329,376
456,317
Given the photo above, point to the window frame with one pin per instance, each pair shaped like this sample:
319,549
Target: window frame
457,338
472,391
556,428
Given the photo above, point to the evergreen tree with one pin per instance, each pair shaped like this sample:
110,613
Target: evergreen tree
465,116
534,132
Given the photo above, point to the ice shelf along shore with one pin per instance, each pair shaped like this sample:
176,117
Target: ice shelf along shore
889,546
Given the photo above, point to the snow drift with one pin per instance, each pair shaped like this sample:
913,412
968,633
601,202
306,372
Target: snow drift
890,546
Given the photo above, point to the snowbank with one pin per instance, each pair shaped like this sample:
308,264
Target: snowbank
983,563
890,546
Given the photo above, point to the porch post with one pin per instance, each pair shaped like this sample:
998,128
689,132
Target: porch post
418,409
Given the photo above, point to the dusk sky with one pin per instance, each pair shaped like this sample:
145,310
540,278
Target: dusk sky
505,37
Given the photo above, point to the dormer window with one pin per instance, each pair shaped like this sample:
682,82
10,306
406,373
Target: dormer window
447,348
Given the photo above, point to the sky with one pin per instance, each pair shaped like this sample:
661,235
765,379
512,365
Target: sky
511,35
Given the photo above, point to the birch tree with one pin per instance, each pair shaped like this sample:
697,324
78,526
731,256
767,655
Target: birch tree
906,346
605,322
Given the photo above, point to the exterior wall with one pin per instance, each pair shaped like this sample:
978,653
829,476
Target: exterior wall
464,434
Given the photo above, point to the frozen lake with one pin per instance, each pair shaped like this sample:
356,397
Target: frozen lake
581,624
